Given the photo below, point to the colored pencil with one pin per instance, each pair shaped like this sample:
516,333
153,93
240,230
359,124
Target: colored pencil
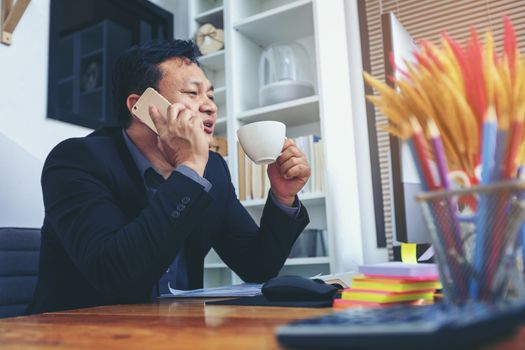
420,155
451,231
516,138
487,168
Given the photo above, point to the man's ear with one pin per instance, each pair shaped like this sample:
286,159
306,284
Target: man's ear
131,100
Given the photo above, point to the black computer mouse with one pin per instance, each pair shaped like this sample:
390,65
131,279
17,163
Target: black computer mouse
297,288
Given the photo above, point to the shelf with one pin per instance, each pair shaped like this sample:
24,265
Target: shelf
202,6
251,26
292,113
307,199
220,126
282,24
213,16
220,95
307,261
213,61
312,198
217,265
221,114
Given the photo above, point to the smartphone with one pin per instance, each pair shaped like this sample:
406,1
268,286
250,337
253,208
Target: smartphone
141,108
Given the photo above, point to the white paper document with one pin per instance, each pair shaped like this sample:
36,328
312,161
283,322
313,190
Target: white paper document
344,279
237,290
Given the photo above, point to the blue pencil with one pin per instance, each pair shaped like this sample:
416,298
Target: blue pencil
499,156
492,206
488,150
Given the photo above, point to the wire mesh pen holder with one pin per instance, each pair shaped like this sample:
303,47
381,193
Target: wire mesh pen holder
476,238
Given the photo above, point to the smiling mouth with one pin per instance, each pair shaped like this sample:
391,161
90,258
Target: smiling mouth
208,127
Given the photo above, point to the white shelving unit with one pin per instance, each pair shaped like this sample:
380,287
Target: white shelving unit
283,23
213,16
309,199
293,113
212,11
213,61
249,27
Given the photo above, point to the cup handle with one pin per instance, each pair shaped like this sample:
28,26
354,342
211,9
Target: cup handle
284,141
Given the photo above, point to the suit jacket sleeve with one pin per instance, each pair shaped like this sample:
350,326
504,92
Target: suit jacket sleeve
255,253
121,258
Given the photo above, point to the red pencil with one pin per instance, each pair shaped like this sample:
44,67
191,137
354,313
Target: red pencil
419,144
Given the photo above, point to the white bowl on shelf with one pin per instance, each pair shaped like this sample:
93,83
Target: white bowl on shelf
285,73
285,90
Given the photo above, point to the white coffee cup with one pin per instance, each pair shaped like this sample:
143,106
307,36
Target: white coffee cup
262,141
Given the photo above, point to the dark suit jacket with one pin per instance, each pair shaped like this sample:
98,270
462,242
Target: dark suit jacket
104,243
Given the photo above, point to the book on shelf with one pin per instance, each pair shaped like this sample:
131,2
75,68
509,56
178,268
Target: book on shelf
242,172
219,144
312,147
248,179
302,143
319,164
266,179
257,181
253,178
310,243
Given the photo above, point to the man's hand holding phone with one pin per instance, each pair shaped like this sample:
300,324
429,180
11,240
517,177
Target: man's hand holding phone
181,138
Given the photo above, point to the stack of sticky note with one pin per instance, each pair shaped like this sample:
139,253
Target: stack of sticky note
390,284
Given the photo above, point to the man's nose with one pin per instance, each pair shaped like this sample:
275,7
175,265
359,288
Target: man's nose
208,106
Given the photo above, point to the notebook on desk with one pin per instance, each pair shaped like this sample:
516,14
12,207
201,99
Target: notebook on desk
437,326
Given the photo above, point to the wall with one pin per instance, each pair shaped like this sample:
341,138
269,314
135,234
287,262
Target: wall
23,86
26,135
21,199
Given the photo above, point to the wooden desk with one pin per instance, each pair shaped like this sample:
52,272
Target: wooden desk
168,324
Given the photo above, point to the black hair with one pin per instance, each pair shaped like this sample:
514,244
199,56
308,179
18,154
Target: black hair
138,68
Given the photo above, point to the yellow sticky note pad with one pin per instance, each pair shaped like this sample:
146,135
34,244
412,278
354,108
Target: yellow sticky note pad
409,253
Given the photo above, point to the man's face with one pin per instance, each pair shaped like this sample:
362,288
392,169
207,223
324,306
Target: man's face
186,83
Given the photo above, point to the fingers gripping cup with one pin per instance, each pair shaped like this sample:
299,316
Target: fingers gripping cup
262,141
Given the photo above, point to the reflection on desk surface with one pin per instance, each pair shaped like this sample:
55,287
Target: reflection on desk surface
166,324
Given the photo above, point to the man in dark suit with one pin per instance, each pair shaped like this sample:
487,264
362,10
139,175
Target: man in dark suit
125,207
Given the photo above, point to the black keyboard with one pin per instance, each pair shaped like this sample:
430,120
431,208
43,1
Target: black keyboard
438,326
